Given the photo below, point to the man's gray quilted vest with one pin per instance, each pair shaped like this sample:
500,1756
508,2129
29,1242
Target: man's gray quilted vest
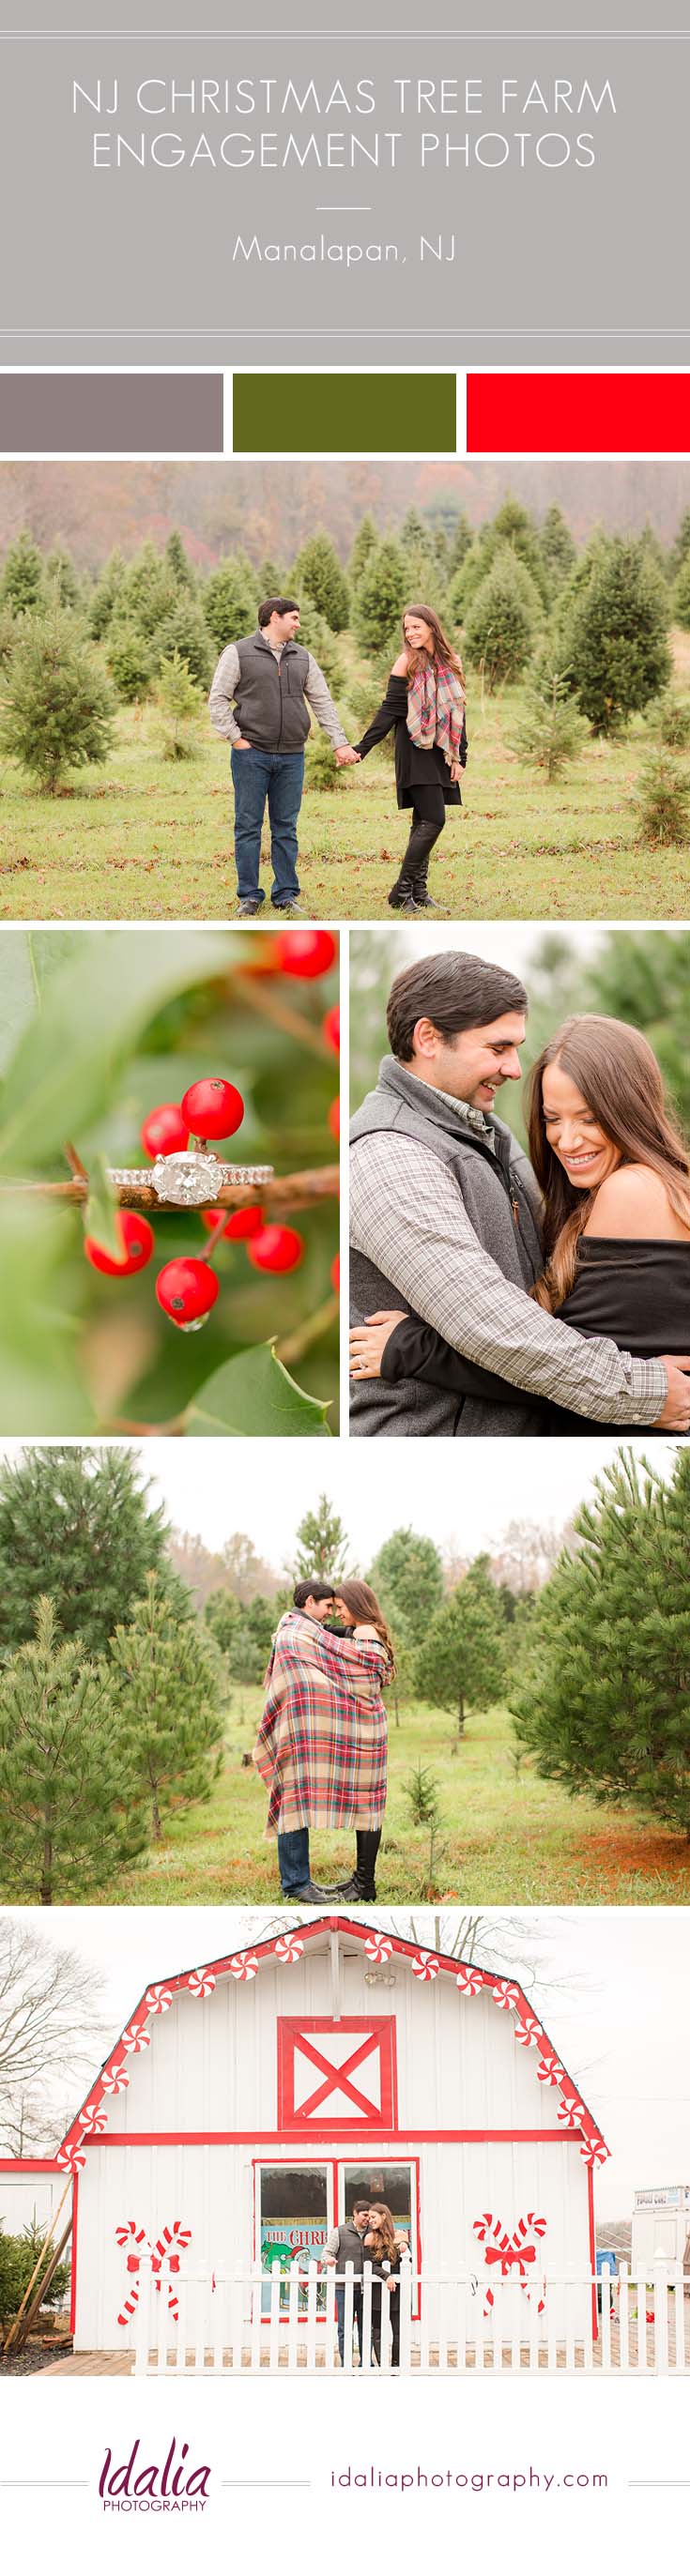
491,1185
270,704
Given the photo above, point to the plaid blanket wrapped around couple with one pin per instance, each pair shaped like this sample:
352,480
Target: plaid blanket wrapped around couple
321,1746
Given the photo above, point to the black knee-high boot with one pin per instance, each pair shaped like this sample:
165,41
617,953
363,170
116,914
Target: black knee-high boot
413,872
361,1888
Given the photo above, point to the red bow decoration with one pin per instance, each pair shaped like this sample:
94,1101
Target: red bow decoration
513,2253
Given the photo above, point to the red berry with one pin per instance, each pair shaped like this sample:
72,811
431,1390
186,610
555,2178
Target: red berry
165,1131
335,1274
277,1247
186,1289
137,1238
330,1028
334,1117
213,1107
241,1225
306,952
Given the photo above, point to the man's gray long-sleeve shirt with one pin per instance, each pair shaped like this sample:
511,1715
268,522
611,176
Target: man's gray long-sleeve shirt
224,685
407,1215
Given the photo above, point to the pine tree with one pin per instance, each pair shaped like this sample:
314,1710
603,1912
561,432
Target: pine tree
106,596
319,640
550,729
604,1697
76,1522
681,594
460,542
321,1544
178,563
129,656
557,548
269,583
617,635
230,599
58,710
249,1644
662,799
367,537
69,1812
222,1615
186,633
461,1663
380,597
61,576
407,1575
501,619
147,594
680,547
319,572
164,1689
413,536
178,701
21,581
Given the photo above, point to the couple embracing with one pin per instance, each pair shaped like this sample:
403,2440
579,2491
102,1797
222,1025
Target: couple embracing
496,1293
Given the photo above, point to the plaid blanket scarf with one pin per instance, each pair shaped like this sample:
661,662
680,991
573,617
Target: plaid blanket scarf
321,1745
435,709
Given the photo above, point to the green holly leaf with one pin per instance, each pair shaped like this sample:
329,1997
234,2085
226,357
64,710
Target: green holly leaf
90,1011
42,1387
252,1397
101,1210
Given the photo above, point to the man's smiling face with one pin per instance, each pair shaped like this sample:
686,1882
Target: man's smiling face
472,1065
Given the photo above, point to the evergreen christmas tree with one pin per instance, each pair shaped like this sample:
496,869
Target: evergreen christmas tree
147,594
69,1810
681,594
222,1615
680,547
407,1575
129,657
617,635
61,577
185,632
461,1663
319,572
459,543
178,701
319,640
164,1689
321,1544
557,547
106,595
380,598
58,710
662,798
21,580
76,1522
501,619
230,599
550,731
367,537
178,563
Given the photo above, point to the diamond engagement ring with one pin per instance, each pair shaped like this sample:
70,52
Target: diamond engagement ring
191,1180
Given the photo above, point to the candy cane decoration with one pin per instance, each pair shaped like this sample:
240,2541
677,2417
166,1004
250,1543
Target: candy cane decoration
130,2235
201,1982
180,2237
513,2253
139,2244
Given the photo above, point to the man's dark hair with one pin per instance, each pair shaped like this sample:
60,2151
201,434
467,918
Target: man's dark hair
455,992
361,2201
312,1590
280,606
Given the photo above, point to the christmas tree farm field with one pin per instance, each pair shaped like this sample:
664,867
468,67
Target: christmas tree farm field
144,838
503,1836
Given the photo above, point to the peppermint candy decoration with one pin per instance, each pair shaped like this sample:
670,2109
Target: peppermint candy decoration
134,2038
288,1948
378,1948
570,2111
550,2070
469,1980
425,1966
158,1998
506,1996
70,2159
244,1965
92,2121
201,1982
593,2151
528,2030
116,2078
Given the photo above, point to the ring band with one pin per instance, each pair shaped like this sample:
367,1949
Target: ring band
190,1180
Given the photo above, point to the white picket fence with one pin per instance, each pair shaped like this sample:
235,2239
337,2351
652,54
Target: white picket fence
212,2324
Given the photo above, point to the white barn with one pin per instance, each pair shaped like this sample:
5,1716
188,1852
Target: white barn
248,2100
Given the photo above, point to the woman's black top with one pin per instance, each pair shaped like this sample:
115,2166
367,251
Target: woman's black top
414,767
634,1293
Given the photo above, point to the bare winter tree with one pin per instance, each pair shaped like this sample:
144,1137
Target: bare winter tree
525,1555
51,2032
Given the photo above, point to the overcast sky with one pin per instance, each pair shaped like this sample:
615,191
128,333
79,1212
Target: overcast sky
612,1988
460,1498
505,943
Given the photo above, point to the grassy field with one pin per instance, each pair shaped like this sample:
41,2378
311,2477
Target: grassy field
143,838
503,1840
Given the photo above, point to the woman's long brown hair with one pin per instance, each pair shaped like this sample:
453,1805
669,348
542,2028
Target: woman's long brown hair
364,1607
441,649
618,1076
383,2232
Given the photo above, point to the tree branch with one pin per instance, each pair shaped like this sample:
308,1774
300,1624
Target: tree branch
295,1190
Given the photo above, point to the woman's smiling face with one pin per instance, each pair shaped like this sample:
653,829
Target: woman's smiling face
574,1134
418,635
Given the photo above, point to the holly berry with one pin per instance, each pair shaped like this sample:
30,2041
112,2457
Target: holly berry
186,1289
241,1225
330,1028
277,1247
305,952
334,1118
137,1238
213,1107
335,1274
165,1131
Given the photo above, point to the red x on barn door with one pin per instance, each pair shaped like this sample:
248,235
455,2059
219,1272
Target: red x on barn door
337,2075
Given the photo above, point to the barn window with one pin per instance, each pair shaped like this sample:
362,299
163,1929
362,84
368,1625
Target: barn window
294,2213
337,2075
391,2183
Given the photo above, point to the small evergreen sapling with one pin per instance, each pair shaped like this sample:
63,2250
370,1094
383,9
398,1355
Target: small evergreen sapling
178,704
58,710
69,1808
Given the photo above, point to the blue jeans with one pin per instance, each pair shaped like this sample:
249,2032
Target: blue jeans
256,776
356,2316
293,1853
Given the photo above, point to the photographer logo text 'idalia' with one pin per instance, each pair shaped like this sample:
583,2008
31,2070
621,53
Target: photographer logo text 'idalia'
138,2485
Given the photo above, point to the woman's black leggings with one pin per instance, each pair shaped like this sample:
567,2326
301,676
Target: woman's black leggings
415,865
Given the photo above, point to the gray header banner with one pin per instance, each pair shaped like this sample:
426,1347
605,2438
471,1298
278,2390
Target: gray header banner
337,198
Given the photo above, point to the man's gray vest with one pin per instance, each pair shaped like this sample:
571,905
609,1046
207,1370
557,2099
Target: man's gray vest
501,1198
351,2248
270,704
